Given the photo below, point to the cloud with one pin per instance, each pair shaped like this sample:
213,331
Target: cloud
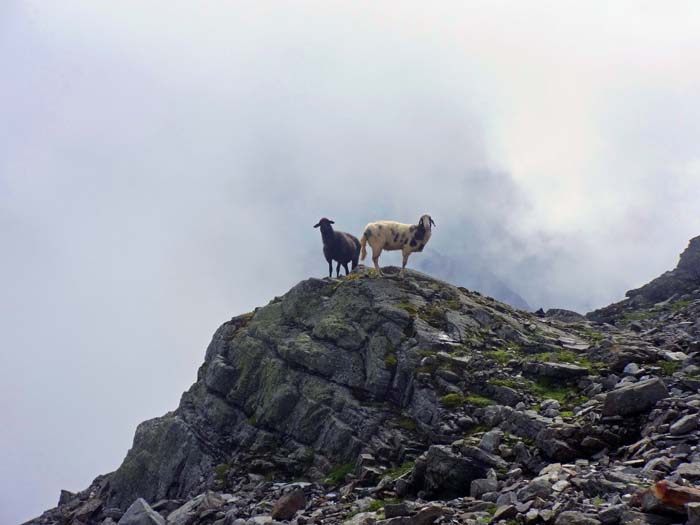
162,166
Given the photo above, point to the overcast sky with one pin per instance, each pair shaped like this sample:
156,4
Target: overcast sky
162,165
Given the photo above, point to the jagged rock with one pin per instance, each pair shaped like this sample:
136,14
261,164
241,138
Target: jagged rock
505,512
538,487
611,515
166,506
395,510
567,316
683,279
140,513
479,487
190,512
560,371
572,517
491,440
115,513
634,398
684,425
447,474
288,505
689,471
427,515
66,496
87,510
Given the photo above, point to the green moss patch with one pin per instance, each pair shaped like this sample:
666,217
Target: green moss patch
220,473
668,368
406,423
456,400
397,472
408,307
339,473
679,305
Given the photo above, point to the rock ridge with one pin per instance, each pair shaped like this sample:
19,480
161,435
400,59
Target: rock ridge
382,400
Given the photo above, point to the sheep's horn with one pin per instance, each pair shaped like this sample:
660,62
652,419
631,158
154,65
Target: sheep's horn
317,225
432,221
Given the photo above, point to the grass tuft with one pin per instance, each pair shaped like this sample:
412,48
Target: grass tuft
339,473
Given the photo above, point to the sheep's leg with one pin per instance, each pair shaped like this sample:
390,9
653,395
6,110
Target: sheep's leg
347,272
337,270
403,266
375,260
330,267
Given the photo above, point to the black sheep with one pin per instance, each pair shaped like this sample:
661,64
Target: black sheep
338,246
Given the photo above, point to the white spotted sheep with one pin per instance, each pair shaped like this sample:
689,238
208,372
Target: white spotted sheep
338,246
390,235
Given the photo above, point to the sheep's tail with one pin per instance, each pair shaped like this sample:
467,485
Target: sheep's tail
363,244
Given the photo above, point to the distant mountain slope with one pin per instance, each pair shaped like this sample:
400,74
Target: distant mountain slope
680,284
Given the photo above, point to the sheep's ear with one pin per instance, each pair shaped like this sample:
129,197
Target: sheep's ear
317,225
332,222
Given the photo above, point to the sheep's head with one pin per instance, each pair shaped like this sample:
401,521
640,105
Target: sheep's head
426,221
325,224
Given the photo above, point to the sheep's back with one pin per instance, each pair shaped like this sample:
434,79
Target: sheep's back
386,225
346,247
390,235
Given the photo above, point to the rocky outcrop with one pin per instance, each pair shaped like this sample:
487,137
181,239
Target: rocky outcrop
312,379
684,278
408,401
140,513
672,286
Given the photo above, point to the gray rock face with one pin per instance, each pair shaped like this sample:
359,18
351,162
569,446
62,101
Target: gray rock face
635,398
140,513
309,372
448,474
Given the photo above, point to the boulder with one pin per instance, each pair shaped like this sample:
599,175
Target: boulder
684,425
556,371
448,474
189,513
140,513
287,506
87,510
634,398
572,517
66,496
